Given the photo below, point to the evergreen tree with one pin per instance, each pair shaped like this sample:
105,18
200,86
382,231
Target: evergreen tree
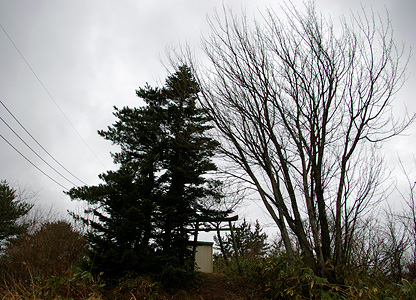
187,158
11,209
251,242
144,210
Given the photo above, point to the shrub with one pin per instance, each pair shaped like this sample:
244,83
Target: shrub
76,284
50,251
275,277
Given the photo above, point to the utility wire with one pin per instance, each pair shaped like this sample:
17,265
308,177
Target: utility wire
36,152
39,143
33,163
50,95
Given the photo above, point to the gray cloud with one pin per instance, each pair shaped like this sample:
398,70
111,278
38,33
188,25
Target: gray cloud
92,55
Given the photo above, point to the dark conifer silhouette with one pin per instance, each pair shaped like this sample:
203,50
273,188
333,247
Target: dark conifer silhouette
143,212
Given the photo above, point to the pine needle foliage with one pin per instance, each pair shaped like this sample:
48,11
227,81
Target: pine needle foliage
141,215
11,209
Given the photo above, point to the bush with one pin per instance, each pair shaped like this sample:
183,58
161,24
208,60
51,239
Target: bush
174,278
76,284
275,277
50,251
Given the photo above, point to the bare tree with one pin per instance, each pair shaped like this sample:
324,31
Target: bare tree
409,216
381,245
301,107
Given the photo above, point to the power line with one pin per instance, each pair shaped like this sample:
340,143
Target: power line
36,152
21,125
50,95
32,163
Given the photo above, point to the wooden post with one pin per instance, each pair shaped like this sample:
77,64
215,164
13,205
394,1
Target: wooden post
221,245
195,242
240,271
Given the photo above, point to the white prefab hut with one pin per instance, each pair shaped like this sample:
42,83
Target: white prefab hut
203,257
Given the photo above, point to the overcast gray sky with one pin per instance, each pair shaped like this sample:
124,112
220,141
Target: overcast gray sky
92,55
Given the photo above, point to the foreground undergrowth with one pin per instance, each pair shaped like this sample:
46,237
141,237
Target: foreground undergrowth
265,278
275,278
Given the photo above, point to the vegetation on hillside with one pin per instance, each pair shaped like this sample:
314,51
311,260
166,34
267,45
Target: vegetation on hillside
298,112
49,262
267,276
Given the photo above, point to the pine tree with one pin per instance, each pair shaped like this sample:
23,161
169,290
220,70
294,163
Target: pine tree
251,242
11,209
187,158
144,210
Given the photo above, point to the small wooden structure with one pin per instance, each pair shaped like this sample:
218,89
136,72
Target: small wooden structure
214,224
204,257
